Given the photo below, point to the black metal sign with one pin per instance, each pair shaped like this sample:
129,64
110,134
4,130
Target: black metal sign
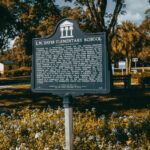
70,61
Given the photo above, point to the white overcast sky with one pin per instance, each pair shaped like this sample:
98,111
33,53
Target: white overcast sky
135,10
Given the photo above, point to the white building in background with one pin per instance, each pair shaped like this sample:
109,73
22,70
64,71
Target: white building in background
6,66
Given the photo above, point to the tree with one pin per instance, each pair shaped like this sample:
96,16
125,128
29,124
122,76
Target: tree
129,42
116,53
17,55
145,29
7,26
29,16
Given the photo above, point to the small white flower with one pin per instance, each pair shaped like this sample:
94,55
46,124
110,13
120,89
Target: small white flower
22,144
93,109
50,114
115,131
58,112
128,134
34,120
118,142
2,114
24,120
29,129
120,118
109,142
8,117
37,125
17,148
127,148
86,110
91,137
42,132
37,135
131,117
60,129
97,139
78,138
103,116
114,113
100,146
51,122
125,130
43,124
57,123
137,123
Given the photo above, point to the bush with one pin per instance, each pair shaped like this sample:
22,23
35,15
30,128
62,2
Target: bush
143,78
23,71
44,130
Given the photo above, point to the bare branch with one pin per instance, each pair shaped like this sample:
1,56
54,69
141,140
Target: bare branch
89,9
102,9
115,15
94,11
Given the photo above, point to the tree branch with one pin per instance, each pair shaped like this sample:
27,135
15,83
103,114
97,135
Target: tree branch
96,17
102,9
115,15
89,9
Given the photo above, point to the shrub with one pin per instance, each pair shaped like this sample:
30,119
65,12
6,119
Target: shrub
44,129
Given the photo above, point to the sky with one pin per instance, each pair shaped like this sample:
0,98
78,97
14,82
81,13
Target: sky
134,10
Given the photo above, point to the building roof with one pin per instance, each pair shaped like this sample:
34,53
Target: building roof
7,62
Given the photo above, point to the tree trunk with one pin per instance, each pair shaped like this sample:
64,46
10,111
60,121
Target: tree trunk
130,61
127,65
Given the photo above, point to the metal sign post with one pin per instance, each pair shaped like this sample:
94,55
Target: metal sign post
68,122
135,60
122,65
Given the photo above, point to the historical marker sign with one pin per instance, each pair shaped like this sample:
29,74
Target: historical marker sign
70,61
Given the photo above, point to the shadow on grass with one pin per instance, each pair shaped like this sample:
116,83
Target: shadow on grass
118,100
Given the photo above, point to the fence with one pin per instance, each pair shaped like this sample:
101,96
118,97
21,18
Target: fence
135,70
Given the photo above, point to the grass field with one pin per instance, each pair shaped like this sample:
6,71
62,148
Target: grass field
135,101
119,120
